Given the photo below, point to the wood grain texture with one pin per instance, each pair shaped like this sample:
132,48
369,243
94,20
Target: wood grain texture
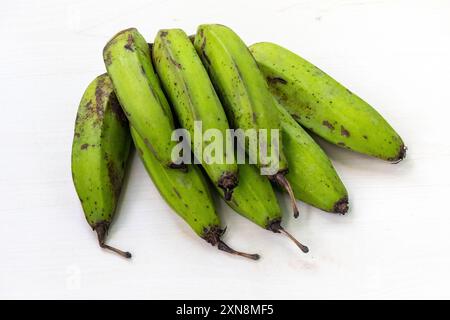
392,244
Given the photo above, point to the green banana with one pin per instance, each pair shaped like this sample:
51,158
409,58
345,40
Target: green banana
324,106
255,200
243,90
100,153
193,98
311,174
188,195
127,59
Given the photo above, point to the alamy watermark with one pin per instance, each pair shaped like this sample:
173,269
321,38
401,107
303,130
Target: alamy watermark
212,146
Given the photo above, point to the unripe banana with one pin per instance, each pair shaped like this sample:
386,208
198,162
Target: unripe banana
193,98
127,59
311,174
188,195
244,92
100,154
324,106
255,200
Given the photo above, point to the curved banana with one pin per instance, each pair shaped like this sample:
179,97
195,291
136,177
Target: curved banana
324,106
311,174
255,200
127,59
188,195
193,98
244,92
100,151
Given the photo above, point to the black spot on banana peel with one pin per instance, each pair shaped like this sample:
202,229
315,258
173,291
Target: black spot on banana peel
108,59
344,132
175,63
115,177
130,43
327,124
117,110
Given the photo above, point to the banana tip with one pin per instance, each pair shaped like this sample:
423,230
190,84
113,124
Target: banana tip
341,206
254,256
401,154
228,182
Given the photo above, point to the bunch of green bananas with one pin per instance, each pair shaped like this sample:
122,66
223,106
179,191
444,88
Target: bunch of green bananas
215,79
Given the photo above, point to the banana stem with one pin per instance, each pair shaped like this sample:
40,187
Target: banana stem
302,247
224,247
212,235
124,254
102,229
280,178
276,227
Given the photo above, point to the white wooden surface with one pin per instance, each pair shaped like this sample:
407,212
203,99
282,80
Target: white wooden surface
394,243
